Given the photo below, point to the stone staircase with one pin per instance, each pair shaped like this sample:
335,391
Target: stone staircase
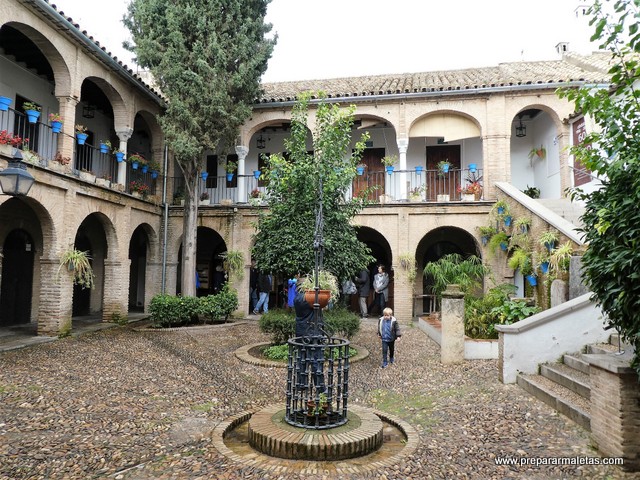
570,211
565,385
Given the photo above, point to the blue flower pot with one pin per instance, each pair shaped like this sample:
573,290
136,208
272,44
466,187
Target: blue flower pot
500,210
419,169
507,220
544,267
503,246
81,137
120,156
56,126
145,168
32,115
104,148
389,170
204,175
360,170
445,168
154,174
549,245
532,280
4,103
473,168
134,165
229,177
256,174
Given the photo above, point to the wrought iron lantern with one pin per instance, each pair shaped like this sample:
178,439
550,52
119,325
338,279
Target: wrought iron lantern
15,180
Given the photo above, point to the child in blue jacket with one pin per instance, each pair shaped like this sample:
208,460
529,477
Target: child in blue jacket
389,332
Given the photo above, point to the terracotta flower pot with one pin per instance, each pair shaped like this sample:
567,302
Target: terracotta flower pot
323,297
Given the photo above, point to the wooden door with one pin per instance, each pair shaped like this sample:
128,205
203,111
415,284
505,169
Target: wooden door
446,184
374,174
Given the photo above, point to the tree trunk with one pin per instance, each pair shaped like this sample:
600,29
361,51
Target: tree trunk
189,237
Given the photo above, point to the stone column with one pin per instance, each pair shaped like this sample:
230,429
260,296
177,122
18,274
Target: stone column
615,407
242,152
403,144
56,298
116,291
66,143
452,345
124,136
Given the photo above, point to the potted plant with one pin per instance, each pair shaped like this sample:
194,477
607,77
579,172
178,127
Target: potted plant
204,198
416,193
500,208
543,261
135,159
119,155
32,110
105,146
79,263
360,169
443,167
486,232
255,197
520,259
560,258
233,263
81,134
4,103
499,240
8,142
470,192
178,196
548,239
87,175
523,224
537,153
138,188
533,192
155,168
56,122
389,161
230,167
328,284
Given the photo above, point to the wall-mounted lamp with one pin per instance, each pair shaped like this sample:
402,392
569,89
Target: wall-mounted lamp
89,111
261,143
521,130
15,179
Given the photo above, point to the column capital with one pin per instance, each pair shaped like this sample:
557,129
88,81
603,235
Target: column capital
124,134
242,151
403,144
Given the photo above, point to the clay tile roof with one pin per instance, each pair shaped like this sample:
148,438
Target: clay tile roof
572,68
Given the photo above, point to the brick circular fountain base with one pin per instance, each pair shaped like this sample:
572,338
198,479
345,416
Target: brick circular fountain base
270,434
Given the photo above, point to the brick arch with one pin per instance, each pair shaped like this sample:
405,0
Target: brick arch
109,230
61,70
45,238
154,246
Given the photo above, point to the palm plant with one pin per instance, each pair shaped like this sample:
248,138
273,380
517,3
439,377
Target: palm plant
453,269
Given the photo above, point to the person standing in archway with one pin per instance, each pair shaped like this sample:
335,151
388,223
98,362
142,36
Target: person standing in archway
362,282
381,289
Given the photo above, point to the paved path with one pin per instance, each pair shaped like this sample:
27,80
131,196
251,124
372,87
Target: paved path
131,404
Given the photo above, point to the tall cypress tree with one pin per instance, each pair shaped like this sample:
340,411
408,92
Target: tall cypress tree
207,57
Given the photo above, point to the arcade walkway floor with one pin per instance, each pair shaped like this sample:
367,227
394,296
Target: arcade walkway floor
130,403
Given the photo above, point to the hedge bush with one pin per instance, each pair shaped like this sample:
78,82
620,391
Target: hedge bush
340,322
176,311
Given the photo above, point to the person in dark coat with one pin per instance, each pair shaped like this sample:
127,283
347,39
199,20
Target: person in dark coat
264,287
364,286
253,285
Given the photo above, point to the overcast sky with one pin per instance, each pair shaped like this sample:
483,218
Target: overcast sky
336,38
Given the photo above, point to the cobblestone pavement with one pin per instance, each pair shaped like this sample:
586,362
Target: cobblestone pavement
134,404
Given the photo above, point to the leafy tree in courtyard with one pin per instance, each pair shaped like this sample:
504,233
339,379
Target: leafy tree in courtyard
612,217
207,57
285,233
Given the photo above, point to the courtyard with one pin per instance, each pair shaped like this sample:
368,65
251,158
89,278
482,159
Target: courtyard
131,403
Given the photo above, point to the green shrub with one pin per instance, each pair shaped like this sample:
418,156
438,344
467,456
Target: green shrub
478,316
173,311
278,323
340,322
218,307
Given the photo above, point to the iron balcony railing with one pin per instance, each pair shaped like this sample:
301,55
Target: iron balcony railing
42,148
377,187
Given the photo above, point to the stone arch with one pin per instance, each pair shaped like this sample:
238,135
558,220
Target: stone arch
143,252
543,127
95,234
381,251
447,123
61,71
210,244
435,244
